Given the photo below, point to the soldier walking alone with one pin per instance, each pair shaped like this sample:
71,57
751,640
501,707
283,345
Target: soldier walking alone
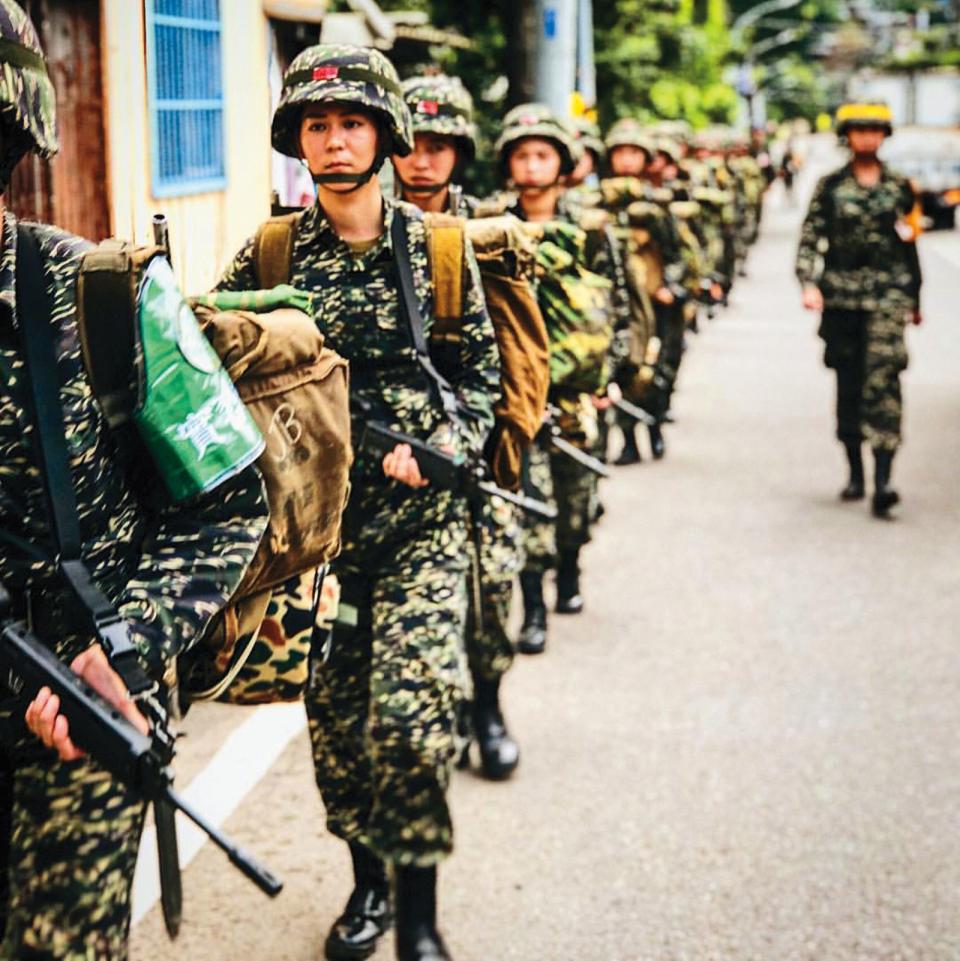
858,266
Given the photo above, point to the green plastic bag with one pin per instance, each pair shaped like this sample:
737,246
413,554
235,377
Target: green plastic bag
190,416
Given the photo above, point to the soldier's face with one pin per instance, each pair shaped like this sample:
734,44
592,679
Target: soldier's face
534,162
628,160
338,139
432,162
865,140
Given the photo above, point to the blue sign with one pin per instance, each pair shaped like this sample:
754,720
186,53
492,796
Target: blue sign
550,23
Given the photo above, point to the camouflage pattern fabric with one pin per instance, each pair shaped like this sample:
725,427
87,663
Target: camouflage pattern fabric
575,491
539,536
590,137
628,132
490,650
537,120
73,849
339,73
849,246
441,105
169,569
27,100
850,249
383,709
275,650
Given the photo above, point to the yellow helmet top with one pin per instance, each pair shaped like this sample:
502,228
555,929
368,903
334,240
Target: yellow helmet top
864,115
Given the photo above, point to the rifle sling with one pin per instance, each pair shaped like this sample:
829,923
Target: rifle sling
38,339
411,310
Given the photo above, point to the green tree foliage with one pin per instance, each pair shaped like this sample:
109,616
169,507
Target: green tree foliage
663,59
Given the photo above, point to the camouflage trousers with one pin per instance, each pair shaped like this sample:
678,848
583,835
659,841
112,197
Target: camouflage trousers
670,329
70,842
382,709
560,481
867,350
539,536
489,648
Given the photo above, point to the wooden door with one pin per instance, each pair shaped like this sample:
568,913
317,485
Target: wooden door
71,190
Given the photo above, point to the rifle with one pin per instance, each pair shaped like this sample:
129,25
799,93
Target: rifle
635,413
161,235
551,431
141,762
454,472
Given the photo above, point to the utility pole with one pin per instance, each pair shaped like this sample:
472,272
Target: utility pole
556,56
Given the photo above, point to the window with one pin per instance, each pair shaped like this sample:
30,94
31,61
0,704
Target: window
185,91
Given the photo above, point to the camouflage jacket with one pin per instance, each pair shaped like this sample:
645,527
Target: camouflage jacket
849,246
169,568
357,309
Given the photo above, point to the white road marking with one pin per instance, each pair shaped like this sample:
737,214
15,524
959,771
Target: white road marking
218,790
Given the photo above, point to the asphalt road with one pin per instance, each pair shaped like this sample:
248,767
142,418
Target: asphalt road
746,748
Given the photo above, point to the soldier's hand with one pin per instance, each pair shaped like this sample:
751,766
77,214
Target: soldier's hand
401,465
716,291
43,714
813,299
664,296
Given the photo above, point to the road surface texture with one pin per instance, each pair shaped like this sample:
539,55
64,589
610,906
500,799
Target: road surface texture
747,747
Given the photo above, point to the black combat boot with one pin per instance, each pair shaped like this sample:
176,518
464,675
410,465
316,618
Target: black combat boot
367,915
854,491
499,754
884,496
657,445
630,453
533,632
417,935
569,599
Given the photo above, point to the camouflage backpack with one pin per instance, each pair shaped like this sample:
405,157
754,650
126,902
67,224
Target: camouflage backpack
295,389
576,305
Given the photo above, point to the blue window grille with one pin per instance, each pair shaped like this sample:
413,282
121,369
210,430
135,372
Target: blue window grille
185,94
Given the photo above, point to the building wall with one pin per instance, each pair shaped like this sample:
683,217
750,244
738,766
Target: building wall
205,229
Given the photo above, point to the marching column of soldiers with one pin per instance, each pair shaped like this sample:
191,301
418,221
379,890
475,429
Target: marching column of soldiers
494,345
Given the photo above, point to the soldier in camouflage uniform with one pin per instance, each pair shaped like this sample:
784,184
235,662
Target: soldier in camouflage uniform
858,265
536,150
445,141
383,707
586,174
70,832
630,150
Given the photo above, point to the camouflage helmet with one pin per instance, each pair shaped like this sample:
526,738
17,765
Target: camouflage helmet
537,120
628,132
339,73
670,148
27,100
442,105
877,116
588,135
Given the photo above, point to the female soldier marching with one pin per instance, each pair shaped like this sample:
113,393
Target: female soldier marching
383,706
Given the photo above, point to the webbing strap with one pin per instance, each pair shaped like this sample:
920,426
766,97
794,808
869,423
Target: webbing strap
411,310
273,250
38,338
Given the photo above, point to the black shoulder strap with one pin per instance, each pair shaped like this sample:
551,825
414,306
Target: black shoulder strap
35,323
411,309
38,338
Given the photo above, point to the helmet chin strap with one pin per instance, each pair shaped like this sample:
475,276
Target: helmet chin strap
536,188
358,180
426,189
